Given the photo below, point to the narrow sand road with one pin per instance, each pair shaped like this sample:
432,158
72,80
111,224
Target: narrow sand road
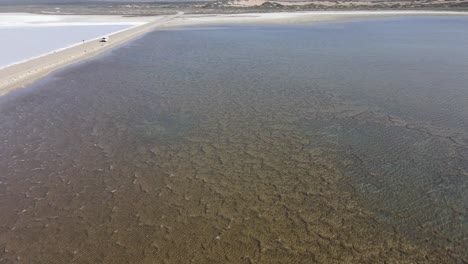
22,74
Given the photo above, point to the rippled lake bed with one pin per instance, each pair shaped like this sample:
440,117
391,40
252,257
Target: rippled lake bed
338,142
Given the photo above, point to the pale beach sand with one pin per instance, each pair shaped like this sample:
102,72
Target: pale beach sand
25,73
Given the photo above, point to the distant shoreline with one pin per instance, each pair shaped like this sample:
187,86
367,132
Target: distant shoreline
27,72
152,8
300,17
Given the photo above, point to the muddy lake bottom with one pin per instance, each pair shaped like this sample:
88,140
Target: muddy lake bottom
329,143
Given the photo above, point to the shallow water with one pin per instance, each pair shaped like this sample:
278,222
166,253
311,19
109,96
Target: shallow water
20,43
329,143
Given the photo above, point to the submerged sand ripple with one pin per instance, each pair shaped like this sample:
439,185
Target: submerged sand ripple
223,173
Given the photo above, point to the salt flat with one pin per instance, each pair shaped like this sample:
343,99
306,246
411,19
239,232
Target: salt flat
22,43
26,36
